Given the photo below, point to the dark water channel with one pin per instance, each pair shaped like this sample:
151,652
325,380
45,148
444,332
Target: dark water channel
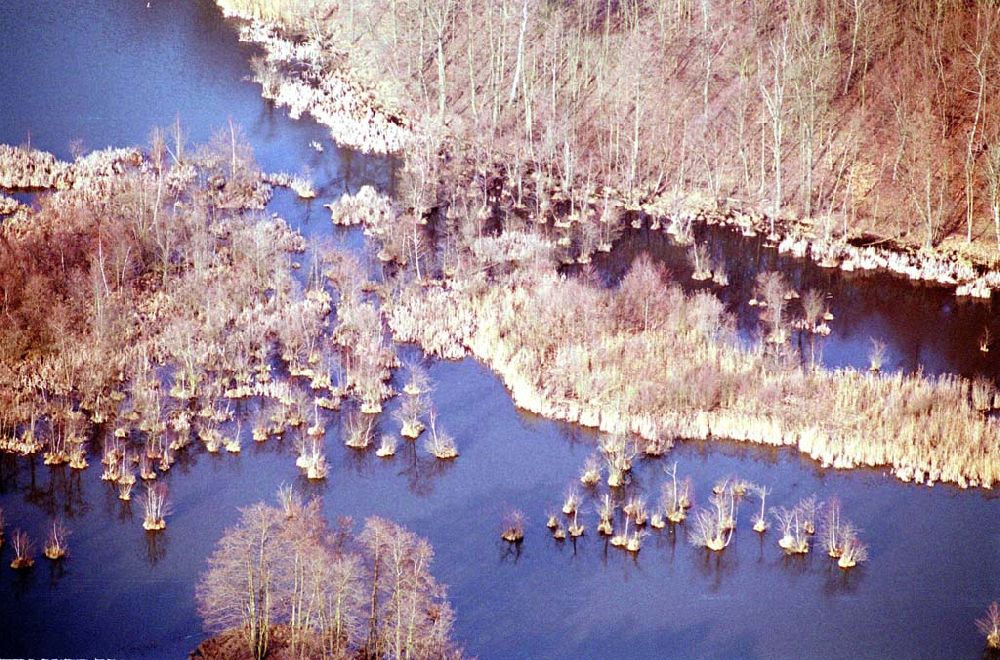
923,326
106,71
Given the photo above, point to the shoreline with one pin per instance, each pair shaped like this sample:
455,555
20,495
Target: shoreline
356,118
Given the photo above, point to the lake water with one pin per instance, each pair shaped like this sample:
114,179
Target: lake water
106,71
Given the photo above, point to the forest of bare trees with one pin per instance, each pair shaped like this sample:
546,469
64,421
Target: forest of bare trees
282,583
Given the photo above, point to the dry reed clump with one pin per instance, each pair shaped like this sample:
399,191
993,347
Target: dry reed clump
572,501
590,476
387,446
651,361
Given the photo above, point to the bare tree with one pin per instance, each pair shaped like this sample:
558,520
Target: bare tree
238,589
23,551
993,185
773,94
978,52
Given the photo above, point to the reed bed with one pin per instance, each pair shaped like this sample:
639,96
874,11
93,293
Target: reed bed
651,361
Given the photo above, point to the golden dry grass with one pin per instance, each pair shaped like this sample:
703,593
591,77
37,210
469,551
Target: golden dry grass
660,364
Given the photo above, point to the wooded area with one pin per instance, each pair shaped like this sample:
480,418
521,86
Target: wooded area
851,116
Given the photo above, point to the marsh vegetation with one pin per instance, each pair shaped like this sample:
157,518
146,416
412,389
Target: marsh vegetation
217,320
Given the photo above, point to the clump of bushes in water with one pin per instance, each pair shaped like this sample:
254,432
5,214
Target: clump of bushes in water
155,508
631,341
714,528
23,551
281,581
55,544
989,626
513,527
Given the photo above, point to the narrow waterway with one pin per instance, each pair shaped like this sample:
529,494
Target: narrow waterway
106,71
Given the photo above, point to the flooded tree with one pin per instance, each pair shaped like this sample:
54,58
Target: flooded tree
796,525
408,615
23,551
55,543
439,442
713,528
771,296
676,496
852,551
760,523
410,413
618,454
155,508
